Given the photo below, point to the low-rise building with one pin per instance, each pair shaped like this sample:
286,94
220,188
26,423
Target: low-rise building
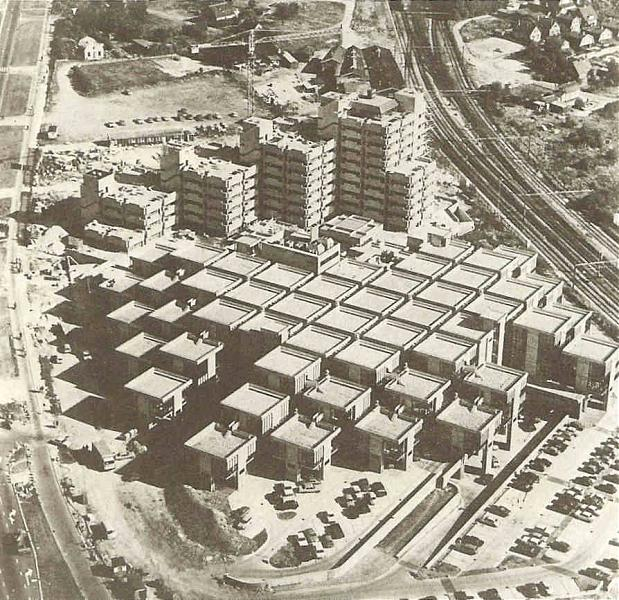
171,319
507,262
421,394
151,258
208,284
375,301
303,447
254,293
355,271
241,265
453,250
470,327
400,282
221,318
302,307
263,333
348,320
424,314
160,288
136,355
194,256
365,362
287,370
351,230
454,297
304,252
527,293
90,49
218,456
256,409
399,335
126,321
117,287
444,355
329,288
468,276
387,439
341,402
468,429
284,276
320,341
428,267
155,396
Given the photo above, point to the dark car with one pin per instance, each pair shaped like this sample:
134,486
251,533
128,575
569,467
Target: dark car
471,540
536,466
609,563
582,480
560,546
576,425
550,450
544,461
612,477
594,573
607,488
465,549
496,509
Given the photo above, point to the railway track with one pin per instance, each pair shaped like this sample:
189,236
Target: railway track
511,187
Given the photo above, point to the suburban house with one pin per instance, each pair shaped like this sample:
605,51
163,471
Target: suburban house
90,49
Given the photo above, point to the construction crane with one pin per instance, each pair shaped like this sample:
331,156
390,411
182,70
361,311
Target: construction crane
277,35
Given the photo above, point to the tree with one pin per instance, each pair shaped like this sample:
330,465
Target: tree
613,72
579,104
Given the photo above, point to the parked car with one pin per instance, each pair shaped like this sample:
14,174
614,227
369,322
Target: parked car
465,549
612,477
550,450
473,540
560,546
487,520
607,488
496,509
582,480
594,573
609,563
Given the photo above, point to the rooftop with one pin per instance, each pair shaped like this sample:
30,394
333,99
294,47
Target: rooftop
355,271
225,312
429,267
161,281
453,250
495,377
253,399
417,384
493,309
388,425
130,312
329,288
198,253
304,433
399,334
301,306
190,347
269,322
467,326
335,392
118,280
542,320
212,282
216,441
592,348
366,354
516,289
320,341
400,282
172,311
425,314
466,416
283,275
375,301
490,259
156,383
152,252
256,293
446,294
140,345
470,277
241,264
443,347
347,319
287,361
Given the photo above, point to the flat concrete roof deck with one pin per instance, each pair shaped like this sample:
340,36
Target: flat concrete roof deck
467,326
471,277
272,323
454,250
328,287
388,426
152,252
130,312
417,384
430,267
489,259
225,312
399,334
400,282
592,348
515,289
253,399
241,264
171,311
198,253
301,306
355,271
287,361
157,383
495,377
443,347
118,280
347,319
304,434
191,347
256,293
320,341
161,281
494,308
446,294
212,282
367,354
284,276
140,345
217,441
466,416
542,320
376,301
335,392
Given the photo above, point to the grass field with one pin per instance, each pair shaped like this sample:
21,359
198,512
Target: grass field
97,79
26,49
16,96
10,144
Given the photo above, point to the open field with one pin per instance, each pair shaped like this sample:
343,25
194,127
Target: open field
10,144
83,118
482,27
16,95
491,61
26,49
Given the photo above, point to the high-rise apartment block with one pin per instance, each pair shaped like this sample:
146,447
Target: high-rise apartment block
296,176
215,196
382,169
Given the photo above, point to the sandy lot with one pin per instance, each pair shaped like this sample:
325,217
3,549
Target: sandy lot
26,48
10,143
16,97
490,57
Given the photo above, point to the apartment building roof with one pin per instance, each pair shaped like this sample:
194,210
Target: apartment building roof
118,280
161,281
417,384
374,300
172,311
494,308
242,265
253,399
520,255
225,312
425,314
548,284
218,441
304,433
151,252
430,267
467,326
443,347
495,377
215,167
284,276
574,313
388,425
193,348
140,345
328,287
515,289
289,141
272,323
256,293
355,271
136,195
490,259
466,416
198,253
157,383
130,312
335,392
395,333
591,348
454,250
446,294
301,306
351,226
470,277
542,320
366,354
400,282
320,341
348,320
212,282
287,361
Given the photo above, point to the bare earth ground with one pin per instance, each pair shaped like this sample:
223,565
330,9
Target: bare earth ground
490,59
9,151
16,97
26,48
